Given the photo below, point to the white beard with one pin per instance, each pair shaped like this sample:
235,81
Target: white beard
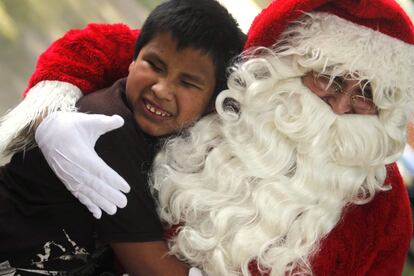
270,185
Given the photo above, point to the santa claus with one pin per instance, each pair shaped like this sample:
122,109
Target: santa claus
295,174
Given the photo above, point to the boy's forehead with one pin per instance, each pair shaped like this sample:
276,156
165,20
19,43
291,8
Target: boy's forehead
165,42
189,61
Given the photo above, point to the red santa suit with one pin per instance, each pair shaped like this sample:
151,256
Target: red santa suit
369,239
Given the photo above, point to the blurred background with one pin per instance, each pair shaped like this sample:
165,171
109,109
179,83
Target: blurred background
27,27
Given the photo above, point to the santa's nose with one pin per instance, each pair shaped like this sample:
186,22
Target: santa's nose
341,103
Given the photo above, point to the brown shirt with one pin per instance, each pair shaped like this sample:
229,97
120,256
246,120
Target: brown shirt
44,228
129,152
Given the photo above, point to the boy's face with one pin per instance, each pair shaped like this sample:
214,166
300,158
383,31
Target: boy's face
167,88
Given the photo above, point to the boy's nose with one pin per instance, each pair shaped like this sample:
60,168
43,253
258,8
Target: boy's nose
164,90
341,103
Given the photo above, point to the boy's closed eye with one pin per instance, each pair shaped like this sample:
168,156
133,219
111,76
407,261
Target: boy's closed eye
191,82
156,65
155,62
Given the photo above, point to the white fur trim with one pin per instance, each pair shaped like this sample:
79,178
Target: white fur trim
17,126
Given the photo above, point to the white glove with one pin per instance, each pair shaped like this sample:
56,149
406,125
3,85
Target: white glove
67,141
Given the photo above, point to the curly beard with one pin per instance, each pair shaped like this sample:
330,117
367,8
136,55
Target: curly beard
269,185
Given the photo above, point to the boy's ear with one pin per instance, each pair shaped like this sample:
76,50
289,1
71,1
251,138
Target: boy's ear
131,65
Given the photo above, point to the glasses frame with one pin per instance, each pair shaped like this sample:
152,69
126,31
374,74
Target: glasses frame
338,90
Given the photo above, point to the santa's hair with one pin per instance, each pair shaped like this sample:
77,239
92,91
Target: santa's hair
268,177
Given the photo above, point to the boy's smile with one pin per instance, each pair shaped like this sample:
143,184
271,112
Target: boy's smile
156,110
167,88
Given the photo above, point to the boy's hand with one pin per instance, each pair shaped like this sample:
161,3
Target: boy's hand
67,141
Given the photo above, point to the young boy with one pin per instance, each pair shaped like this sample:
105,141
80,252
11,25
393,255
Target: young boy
178,68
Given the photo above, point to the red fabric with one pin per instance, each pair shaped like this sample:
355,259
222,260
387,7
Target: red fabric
91,58
171,232
382,15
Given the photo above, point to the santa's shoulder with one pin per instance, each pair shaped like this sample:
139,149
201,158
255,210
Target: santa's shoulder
372,238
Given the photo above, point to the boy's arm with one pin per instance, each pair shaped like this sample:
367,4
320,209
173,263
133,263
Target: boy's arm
81,61
148,258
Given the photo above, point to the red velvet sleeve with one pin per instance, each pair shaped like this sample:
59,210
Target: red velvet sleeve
91,58
370,239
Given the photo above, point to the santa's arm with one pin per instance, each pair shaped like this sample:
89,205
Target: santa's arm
82,61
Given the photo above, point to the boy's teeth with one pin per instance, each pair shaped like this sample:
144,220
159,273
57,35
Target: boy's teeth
157,112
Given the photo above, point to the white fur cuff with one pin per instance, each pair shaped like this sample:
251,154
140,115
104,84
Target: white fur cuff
17,126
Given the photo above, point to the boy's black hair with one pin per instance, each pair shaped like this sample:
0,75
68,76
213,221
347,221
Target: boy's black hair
199,24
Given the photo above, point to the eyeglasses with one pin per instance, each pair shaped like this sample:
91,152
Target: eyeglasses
359,91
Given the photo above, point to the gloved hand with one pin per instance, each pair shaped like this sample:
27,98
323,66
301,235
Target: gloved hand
67,141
